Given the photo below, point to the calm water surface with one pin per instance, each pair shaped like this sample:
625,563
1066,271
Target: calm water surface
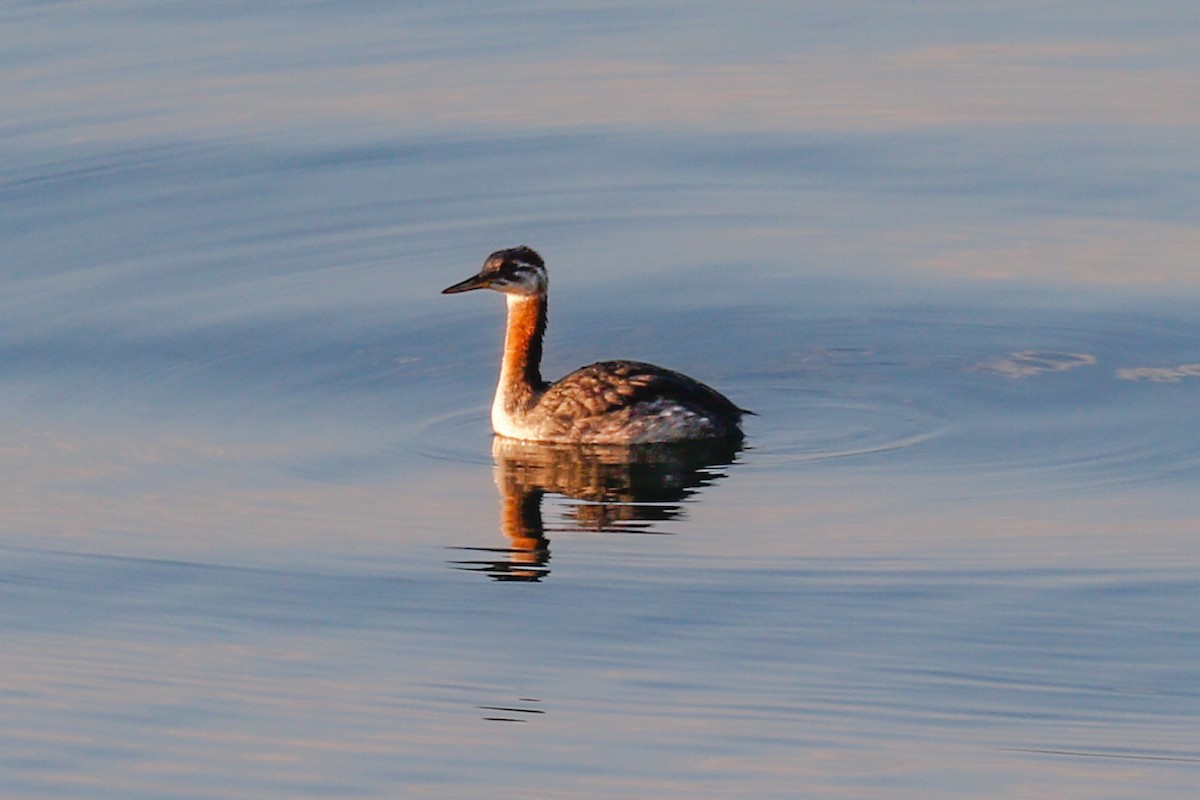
257,539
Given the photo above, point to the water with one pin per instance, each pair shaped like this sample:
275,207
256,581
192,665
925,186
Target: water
257,540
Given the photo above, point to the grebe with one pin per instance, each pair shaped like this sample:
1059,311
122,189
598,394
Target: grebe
611,402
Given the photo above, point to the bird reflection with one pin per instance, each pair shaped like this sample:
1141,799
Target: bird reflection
617,488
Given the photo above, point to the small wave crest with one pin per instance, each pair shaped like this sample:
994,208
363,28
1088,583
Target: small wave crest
1028,363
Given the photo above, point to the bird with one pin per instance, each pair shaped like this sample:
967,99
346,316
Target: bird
606,403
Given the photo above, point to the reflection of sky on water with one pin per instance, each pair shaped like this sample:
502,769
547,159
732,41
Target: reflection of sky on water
1025,147
947,252
712,68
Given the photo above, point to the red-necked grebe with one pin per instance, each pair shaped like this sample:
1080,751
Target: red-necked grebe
611,402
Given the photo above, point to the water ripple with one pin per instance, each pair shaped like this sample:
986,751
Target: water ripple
822,426
462,436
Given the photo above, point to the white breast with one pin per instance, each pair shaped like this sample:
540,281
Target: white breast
509,425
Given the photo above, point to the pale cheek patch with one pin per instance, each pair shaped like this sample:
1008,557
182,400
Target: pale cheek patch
527,281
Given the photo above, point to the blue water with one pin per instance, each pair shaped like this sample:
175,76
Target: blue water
257,540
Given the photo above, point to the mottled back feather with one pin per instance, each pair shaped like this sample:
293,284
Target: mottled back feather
608,386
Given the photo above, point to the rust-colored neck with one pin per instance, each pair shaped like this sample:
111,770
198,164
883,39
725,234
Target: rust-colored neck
520,370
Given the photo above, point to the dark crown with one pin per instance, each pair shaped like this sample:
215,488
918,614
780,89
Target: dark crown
515,257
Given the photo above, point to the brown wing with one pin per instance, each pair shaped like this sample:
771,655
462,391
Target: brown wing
612,385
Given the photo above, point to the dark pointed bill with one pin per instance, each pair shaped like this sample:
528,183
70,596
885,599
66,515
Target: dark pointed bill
473,282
